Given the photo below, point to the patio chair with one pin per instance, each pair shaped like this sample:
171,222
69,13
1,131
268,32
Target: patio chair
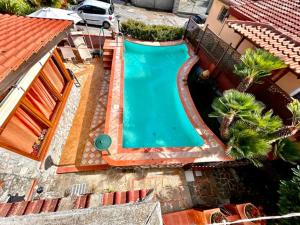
67,53
82,48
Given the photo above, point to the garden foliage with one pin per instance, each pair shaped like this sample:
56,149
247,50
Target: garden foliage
142,31
289,197
25,7
17,7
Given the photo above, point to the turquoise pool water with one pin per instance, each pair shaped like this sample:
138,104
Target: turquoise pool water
153,115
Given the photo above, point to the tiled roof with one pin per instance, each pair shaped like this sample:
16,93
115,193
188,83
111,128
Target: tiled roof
272,40
21,37
238,2
283,15
185,217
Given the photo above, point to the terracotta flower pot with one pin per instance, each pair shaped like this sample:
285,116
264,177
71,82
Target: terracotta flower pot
217,217
251,211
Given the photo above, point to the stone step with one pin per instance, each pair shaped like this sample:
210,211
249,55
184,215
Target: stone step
4,209
81,202
107,65
50,205
95,200
34,207
18,208
108,53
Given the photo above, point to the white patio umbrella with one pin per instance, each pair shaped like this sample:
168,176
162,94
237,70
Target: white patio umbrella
53,13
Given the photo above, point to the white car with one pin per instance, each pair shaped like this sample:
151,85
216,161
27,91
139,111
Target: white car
96,13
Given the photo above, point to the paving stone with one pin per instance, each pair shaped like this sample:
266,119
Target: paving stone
95,200
66,204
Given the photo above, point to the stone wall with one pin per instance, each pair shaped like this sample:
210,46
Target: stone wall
127,214
17,172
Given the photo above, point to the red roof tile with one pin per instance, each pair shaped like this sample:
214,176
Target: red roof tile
185,217
283,15
21,37
272,40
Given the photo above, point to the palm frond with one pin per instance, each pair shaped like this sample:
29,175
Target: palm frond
294,108
258,63
247,143
287,150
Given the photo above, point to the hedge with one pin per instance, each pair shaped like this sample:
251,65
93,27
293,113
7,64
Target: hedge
142,31
17,7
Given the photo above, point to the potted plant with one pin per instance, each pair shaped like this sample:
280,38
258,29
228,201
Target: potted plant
217,217
251,211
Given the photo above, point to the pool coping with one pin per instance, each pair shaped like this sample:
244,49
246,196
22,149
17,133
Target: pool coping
210,140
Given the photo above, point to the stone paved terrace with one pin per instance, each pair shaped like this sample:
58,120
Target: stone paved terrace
170,186
136,214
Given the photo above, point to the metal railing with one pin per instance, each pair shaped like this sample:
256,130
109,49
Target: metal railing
224,57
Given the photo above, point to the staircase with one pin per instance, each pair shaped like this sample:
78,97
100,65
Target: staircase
107,58
69,203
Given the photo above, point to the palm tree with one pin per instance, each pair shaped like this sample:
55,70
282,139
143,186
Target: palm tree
247,143
290,130
264,123
256,64
231,105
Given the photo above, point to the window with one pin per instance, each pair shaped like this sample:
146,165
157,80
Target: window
92,10
223,14
296,94
85,9
110,10
33,122
96,10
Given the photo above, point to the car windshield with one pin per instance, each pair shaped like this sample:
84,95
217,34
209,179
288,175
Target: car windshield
110,10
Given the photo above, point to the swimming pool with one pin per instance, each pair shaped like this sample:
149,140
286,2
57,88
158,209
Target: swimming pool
153,114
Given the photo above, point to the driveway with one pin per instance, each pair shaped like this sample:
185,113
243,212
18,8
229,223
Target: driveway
145,15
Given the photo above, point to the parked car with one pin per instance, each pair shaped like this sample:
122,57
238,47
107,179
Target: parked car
96,13
107,1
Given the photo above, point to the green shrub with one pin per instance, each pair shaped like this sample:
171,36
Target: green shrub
17,7
52,3
289,197
142,31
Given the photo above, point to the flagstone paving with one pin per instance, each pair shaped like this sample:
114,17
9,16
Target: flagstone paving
169,185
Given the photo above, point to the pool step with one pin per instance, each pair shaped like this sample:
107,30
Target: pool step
107,65
107,58
108,52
